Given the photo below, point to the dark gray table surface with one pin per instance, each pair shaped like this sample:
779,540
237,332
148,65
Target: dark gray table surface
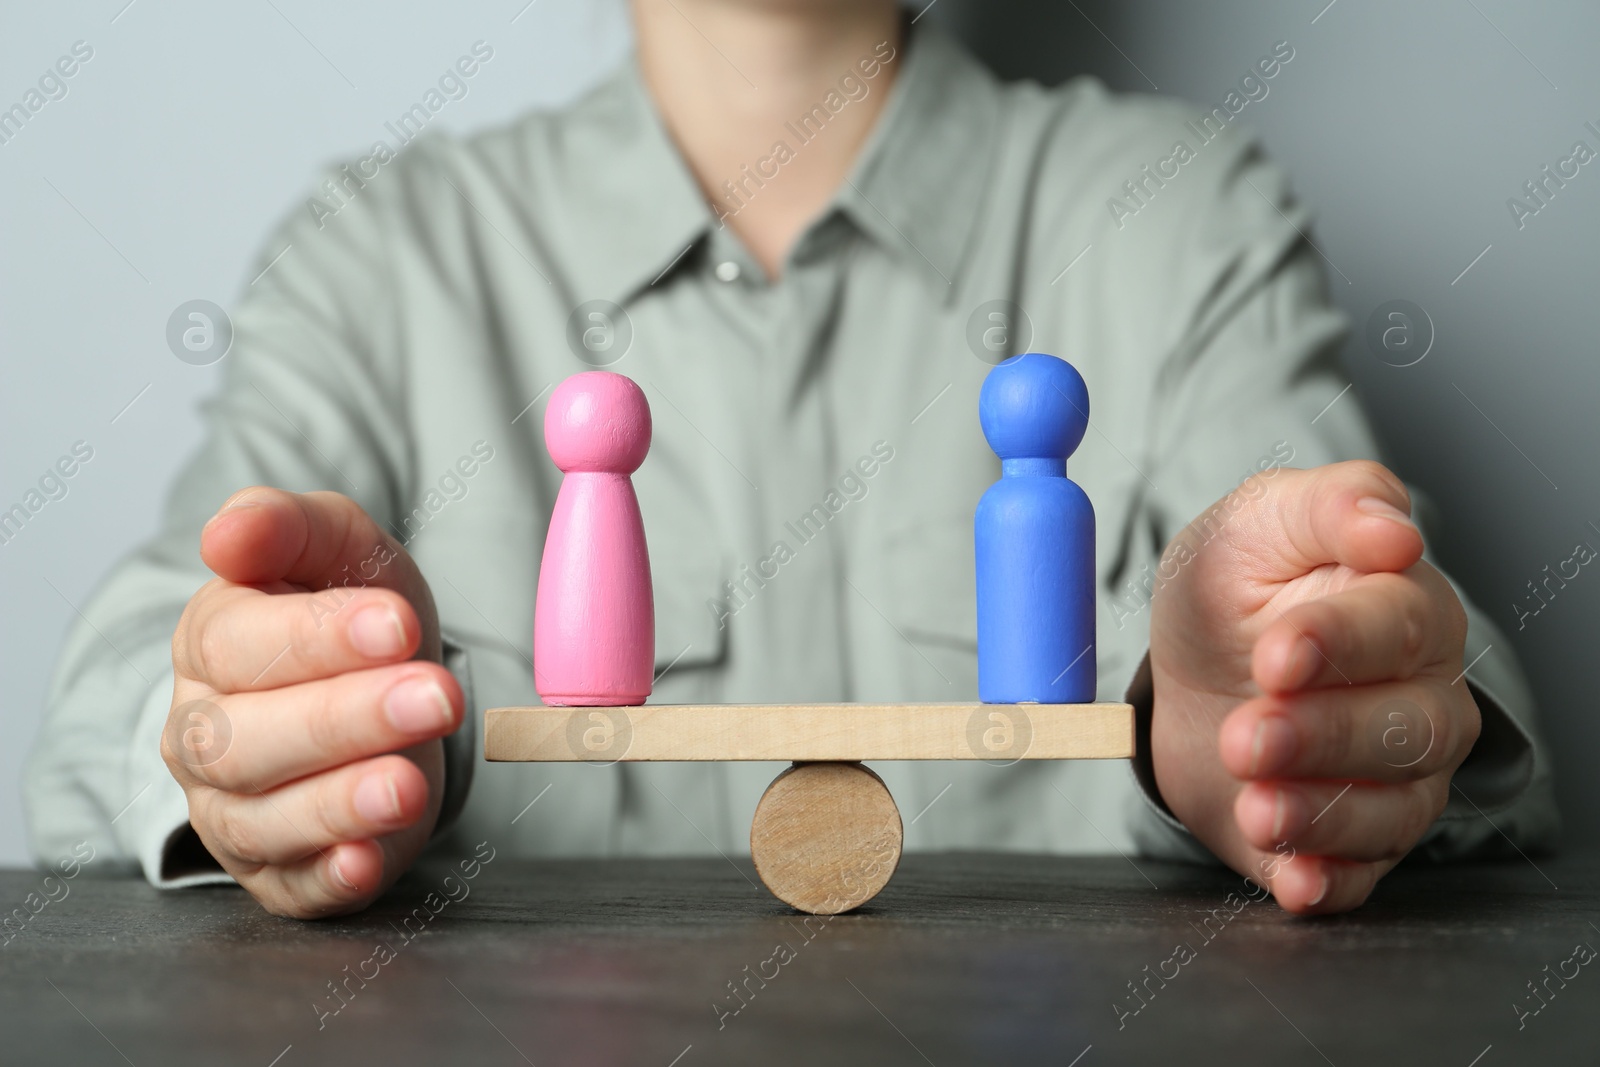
964,959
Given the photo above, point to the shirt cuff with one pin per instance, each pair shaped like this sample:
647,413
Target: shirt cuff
1155,830
1502,799
461,747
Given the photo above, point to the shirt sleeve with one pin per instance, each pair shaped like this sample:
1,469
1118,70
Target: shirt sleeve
1251,372
311,400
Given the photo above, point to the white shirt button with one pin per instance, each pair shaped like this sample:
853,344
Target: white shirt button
728,271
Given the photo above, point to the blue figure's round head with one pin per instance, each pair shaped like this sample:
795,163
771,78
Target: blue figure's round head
1034,406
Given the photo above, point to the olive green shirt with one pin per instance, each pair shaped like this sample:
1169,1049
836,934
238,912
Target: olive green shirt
809,496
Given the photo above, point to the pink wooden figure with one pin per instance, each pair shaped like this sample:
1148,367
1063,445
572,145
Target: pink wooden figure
594,620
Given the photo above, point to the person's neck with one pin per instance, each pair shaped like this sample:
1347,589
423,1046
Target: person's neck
735,81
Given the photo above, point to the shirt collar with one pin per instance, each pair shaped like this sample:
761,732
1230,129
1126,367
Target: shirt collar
634,211
918,186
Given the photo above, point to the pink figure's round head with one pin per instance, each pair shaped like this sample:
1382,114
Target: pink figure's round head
598,421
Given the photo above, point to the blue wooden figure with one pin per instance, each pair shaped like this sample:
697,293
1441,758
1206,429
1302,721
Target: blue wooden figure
1034,535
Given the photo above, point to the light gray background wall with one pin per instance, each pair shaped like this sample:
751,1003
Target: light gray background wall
195,126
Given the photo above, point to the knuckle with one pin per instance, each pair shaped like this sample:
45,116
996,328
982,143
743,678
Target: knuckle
326,727
339,512
175,766
1255,486
319,633
328,811
1436,797
290,902
1421,809
184,770
204,774
1440,603
1368,879
1218,521
1470,729
238,833
279,905
1455,618
1442,754
312,892
214,774
185,660
1336,736
343,717
180,642
208,650
1413,636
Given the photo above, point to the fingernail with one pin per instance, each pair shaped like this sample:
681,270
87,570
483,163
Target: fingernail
338,875
1288,816
1301,666
1322,891
1273,745
376,799
226,509
244,499
1383,509
1301,655
418,706
376,632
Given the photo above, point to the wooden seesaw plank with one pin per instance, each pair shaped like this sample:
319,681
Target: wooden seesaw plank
806,732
